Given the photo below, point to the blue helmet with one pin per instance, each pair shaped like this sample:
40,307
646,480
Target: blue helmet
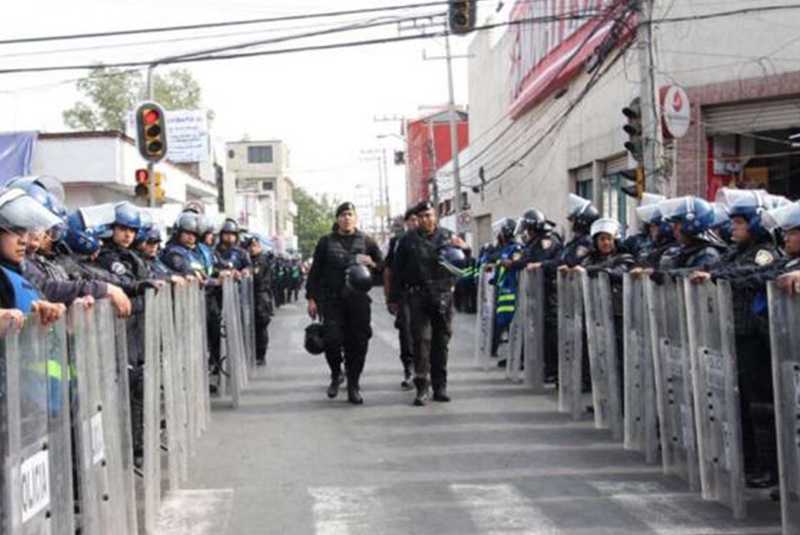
40,194
650,215
79,238
148,233
694,215
127,215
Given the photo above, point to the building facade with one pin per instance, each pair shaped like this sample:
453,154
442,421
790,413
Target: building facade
259,191
546,99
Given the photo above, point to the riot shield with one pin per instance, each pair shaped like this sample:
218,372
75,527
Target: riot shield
172,377
151,394
248,320
716,393
784,324
484,328
230,364
669,342
570,343
36,485
601,337
640,418
126,440
239,337
533,308
516,339
202,333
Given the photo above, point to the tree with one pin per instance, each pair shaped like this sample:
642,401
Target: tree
109,94
314,220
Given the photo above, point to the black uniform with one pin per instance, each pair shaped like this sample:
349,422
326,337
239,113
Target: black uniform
345,313
55,285
262,290
428,287
401,320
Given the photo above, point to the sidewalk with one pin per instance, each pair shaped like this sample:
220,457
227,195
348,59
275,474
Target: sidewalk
496,460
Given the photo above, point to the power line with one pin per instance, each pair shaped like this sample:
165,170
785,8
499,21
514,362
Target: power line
310,48
285,18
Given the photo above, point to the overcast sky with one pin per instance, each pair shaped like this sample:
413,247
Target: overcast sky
321,103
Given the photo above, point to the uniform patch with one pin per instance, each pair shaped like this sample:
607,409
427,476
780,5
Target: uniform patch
764,258
546,244
118,268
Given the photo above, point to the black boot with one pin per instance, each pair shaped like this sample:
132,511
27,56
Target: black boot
440,394
336,381
422,392
405,384
354,393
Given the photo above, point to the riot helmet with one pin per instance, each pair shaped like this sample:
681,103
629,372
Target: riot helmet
230,225
504,228
315,339
453,259
358,277
784,218
49,183
38,192
606,225
532,222
20,212
581,213
188,222
693,214
127,215
80,238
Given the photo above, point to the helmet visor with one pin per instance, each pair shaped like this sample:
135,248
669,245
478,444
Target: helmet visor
100,215
651,198
673,208
576,204
720,215
786,217
18,212
648,213
742,198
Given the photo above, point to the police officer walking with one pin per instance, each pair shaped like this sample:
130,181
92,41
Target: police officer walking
336,290
420,274
262,289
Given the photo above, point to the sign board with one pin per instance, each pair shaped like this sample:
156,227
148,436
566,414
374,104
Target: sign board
677,112
187,135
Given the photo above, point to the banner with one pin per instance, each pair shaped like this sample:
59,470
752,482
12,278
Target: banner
16,153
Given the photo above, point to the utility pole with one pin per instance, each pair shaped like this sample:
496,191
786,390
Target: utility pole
388,206
654,180
379,156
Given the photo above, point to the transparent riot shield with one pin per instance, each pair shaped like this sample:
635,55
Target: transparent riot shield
516,338
151,400
716,393
669,340
202,334
484,328
115,458
174,436
34,426
239,338
784,324
230,364
570,343
248,320
640,418
92,429
126,439
533,308
600,334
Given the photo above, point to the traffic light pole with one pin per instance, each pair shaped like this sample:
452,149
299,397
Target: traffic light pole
654,179
151,178
451,108
388,206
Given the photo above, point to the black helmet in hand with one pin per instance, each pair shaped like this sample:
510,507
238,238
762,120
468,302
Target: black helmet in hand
315,339
358,277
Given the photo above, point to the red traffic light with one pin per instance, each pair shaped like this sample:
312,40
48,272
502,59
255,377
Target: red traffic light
150,116
142,176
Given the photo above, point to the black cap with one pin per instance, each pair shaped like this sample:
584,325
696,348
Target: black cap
423,206
345,206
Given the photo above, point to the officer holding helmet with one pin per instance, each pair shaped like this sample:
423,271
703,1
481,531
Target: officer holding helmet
422,272
336,290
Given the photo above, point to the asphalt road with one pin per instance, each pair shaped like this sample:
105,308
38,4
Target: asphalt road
497,460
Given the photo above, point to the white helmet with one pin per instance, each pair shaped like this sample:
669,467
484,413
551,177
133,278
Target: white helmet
605,225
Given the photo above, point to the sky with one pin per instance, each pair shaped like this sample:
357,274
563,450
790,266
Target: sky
323,104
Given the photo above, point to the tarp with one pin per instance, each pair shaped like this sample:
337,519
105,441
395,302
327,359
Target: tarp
16,154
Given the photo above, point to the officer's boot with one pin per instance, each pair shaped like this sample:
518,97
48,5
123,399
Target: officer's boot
405,384
440,393
422,392
336,380
353,388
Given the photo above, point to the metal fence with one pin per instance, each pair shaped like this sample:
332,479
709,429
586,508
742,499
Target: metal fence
129,406
672,390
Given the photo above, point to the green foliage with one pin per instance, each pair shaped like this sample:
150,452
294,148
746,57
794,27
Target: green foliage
314,220
109,94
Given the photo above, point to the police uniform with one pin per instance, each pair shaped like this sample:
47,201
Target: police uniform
428,287
345,312
401,320
182,260
233,257
53,282
262,290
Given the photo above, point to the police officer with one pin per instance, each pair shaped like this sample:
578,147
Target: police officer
581,213
505,280
401,322
262,289
542,247
229,254
419,274
181,255
344,307
147,245
662,237
691,219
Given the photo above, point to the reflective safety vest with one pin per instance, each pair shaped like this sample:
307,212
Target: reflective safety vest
506,284
24,292
207,256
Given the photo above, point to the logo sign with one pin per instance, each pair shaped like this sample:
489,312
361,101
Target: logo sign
34,484
98,442
676,111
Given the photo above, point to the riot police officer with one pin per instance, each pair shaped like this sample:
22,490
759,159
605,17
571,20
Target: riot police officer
691,219
542,246
581,213
337,291
180,254
262,289
662,238
401,322
147,245
505,280
419,273
229,254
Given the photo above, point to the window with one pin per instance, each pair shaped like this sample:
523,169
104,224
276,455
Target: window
583,188
615,201
231,154
267,185
259,154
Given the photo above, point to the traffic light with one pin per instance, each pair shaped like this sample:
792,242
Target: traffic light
158,184
142,183
151,132
634,145
462,15
637,188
